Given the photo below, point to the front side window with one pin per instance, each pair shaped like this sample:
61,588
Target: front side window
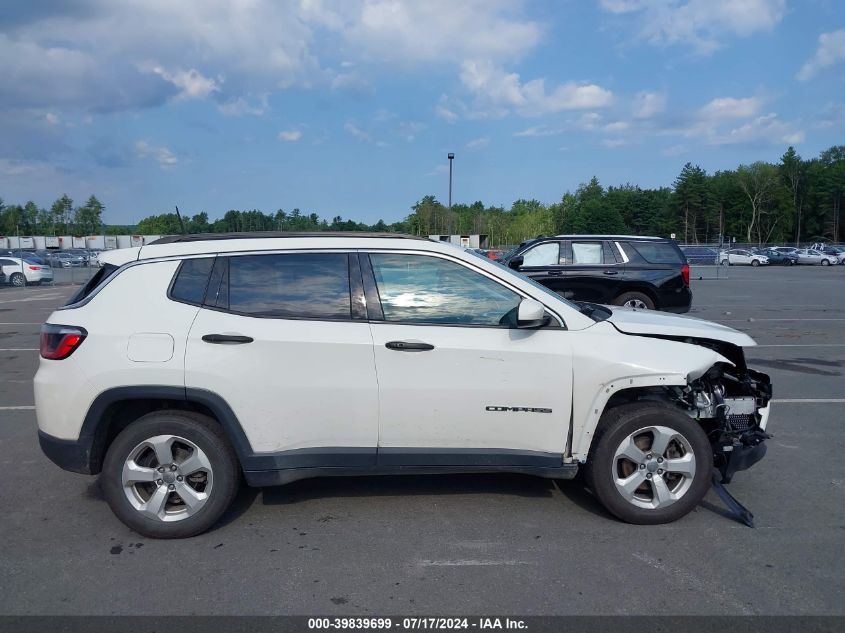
290,285
422,289
546,254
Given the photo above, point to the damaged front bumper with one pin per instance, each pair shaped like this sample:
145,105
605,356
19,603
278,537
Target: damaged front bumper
733,404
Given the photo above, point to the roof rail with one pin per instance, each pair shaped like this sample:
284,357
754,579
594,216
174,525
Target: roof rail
201,237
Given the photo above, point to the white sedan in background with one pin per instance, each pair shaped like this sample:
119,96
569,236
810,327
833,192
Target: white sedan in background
812,256
740,256
20,272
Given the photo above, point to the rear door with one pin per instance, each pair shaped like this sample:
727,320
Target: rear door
280,340
592,271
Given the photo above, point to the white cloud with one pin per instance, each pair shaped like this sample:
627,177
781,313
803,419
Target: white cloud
357,132
613,142
478,143
831,51
438,30
702,24
290,136
191,84
539,130
768,128
731,108
648,104
674,150
617,126
499,92
162,155
51,118
240,106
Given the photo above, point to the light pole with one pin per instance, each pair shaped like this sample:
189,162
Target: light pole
451,157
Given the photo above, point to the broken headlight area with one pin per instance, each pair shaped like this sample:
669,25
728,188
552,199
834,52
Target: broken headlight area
731,403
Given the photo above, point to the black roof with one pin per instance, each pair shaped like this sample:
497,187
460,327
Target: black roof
202,237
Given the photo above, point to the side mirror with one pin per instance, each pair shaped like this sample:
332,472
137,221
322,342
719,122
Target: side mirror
527,315
516,262
530,314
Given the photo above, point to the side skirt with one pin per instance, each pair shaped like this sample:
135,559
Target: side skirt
285,476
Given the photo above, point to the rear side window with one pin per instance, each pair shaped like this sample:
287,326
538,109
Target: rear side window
295,285
99,278
657,252
191,280
588,253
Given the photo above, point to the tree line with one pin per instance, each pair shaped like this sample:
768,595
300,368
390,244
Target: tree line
793,200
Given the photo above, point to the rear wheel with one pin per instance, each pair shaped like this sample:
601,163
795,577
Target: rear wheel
649,463
17,279
638,300
170,474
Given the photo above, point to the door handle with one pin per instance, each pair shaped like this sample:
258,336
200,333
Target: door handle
555,273
611,272
408,346
227,339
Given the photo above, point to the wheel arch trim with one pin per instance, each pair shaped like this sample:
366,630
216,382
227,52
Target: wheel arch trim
94,431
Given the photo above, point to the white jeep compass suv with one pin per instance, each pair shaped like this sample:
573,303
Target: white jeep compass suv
189,363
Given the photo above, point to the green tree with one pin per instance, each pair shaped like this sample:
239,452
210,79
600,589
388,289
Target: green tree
757,182
793,174
61,211
89,218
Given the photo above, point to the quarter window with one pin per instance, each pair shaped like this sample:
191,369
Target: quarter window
291,285
191,280
421,289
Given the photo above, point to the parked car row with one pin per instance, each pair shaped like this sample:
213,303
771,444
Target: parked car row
74,258
20,272
765,256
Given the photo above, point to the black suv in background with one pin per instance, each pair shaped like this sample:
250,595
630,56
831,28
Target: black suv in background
638,272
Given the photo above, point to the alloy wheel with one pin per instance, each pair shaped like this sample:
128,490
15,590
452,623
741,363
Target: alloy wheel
167,478
639,304
653,467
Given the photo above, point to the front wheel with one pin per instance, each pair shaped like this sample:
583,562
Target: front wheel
649,463
755,262
638,300
170,474
825,262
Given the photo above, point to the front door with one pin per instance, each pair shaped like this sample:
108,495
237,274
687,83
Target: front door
277,340
456,387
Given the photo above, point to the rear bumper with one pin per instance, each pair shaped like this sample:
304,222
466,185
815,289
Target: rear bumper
72,455
678,302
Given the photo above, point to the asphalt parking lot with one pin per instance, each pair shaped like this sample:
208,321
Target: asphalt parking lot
485,544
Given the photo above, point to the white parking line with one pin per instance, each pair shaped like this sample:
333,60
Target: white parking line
20,349
753,319
801,345
808,401
29,407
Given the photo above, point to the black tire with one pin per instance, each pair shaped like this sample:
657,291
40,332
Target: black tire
620,422
755,262
625,297
17,280
200,430
825,262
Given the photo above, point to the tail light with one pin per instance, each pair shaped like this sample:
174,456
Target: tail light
34,267
60,341
685,273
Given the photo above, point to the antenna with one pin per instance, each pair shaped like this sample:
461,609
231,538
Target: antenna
182,224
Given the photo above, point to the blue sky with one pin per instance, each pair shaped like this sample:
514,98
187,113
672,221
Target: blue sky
349,107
